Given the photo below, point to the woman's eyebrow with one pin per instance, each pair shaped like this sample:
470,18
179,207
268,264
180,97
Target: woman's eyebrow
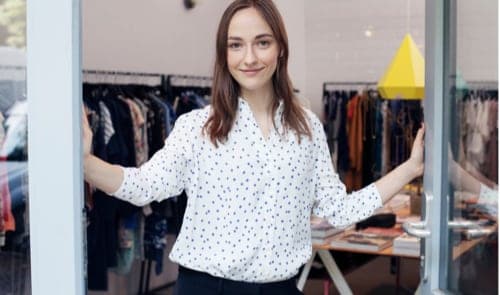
264,36
257,37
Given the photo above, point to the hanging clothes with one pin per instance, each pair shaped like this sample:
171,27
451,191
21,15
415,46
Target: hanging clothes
477,130
354,176
490,167
368,136
116,126
130,123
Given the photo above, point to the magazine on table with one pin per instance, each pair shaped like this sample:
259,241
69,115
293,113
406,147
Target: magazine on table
362,241
407,242
323,229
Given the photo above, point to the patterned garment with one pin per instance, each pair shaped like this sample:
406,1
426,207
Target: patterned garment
249,200
109,130
154,239
143,133
138,122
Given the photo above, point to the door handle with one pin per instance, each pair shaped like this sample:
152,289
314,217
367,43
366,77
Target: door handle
416,229
419,229
474,233
471,229
463,224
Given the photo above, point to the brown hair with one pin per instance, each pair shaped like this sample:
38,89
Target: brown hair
225,89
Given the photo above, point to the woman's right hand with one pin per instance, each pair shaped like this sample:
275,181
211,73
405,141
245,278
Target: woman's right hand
87,134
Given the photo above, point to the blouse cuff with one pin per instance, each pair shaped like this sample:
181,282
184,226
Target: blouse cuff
120,192
487,195
373,191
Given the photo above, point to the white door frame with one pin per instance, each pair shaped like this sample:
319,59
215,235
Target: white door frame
54,147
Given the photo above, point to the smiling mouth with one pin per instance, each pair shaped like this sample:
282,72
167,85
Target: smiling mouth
251,71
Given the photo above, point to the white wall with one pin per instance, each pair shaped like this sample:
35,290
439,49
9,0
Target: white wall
338,49
477,40
327,38
163,37
156,36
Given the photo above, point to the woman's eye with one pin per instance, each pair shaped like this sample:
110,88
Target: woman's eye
234,45
264,43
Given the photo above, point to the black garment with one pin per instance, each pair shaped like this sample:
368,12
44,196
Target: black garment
191,282
343,141
155,231
105,212
407,116
158,128
369,140
175,213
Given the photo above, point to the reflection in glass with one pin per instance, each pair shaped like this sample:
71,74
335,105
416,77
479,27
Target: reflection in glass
14,226
473,174
471,129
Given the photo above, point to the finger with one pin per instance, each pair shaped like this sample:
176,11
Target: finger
420,134
85,121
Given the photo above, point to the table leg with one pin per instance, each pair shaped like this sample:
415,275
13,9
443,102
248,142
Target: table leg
305,272
334,272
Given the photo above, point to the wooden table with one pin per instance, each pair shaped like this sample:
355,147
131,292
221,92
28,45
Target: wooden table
323,251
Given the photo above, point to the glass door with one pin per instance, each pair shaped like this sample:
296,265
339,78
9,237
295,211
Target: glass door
471,146
15,275
459,229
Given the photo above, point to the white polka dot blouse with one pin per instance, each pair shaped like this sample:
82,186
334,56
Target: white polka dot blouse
249,200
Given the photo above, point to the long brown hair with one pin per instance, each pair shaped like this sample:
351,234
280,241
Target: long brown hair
225,89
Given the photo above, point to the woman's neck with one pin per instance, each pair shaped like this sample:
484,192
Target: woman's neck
260,101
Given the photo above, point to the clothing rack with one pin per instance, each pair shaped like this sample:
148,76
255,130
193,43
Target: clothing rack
176,84
348,85
118,77
477,85
169,83
188,80
101,72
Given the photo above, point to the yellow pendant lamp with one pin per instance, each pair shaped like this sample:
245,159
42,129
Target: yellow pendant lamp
405,76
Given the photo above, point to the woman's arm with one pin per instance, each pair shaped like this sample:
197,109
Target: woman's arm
165,175
102,175
395,180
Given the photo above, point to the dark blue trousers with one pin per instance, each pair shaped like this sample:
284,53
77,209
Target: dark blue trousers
191,282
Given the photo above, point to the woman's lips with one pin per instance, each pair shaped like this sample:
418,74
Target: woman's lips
251,72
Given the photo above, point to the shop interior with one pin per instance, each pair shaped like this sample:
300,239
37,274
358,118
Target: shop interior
154,60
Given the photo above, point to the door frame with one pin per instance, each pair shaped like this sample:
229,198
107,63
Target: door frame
54,147
434,253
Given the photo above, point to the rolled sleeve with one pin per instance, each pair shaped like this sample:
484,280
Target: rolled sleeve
331,199
165,174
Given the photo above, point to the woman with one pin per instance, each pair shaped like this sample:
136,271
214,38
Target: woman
254,164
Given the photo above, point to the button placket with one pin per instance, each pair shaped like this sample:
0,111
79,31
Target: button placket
272,201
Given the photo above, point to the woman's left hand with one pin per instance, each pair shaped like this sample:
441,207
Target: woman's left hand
417,152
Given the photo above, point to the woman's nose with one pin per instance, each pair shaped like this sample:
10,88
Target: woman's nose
250,57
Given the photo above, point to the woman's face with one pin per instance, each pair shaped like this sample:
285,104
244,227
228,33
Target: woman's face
252,51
